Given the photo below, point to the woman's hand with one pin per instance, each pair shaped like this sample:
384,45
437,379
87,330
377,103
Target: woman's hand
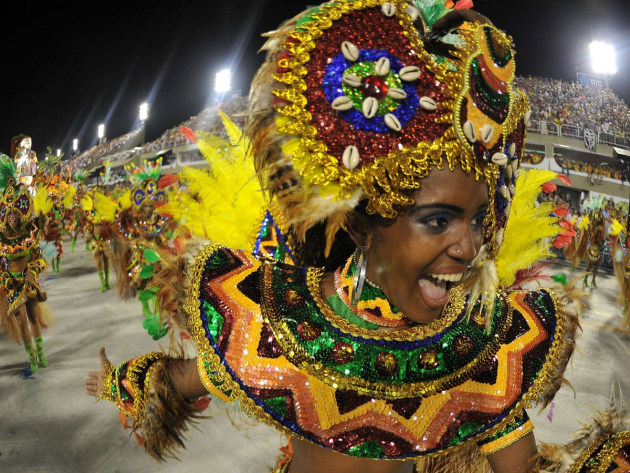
94,383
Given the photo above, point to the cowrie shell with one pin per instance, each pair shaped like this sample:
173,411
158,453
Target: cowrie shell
428,104
413,12
512,150
382,66
350,157
350,51
370,107
392,122
526,117
515,166
342,103
499,236
512,190
409,73
507,209
388,9
469,131
509,171
352,80
505,193
487,132
500,159
397,94
517,173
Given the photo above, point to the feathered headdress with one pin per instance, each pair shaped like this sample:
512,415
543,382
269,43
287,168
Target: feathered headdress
360,100
15,197
145,180
352,104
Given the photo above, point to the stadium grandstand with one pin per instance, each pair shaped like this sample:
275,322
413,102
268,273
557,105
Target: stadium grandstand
581,131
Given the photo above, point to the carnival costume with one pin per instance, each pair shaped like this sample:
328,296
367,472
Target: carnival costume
356,103
62,196
596,241
21,290
99,211
141,231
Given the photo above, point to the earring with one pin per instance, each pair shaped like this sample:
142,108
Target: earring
359,277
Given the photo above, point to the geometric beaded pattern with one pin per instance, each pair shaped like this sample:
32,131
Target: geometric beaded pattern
245,356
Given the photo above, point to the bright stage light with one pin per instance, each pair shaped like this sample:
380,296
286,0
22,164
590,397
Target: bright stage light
75,144
144,112
603,60
58,152
101,131
222,81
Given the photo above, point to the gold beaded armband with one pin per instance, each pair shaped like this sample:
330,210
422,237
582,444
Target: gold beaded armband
36,266
129,384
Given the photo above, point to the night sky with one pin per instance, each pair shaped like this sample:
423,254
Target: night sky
70,66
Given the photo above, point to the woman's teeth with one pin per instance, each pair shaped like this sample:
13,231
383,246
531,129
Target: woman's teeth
448,277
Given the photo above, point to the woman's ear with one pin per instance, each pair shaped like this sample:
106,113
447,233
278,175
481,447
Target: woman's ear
360,230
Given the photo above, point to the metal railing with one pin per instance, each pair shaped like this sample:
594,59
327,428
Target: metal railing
576,132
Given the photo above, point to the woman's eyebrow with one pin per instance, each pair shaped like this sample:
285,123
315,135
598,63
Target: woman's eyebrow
442,206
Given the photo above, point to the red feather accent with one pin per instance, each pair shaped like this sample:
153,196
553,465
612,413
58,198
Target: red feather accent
562,240
565,179
566,224
530,274
188,133
463,4
561,211
548,187
166,180
202,403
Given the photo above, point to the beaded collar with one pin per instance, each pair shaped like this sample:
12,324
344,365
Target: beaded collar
14,247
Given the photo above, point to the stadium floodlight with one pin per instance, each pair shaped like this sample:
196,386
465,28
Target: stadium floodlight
58,152
222,81
603,59
101,131
75,145
144,112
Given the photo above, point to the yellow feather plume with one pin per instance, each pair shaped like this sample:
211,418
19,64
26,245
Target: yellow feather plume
616,227
124,201
68,201
584,222
224,204
105,207
41,202
530,227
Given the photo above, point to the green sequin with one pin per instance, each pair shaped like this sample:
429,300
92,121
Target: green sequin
368,449
215,319
277,404
364,69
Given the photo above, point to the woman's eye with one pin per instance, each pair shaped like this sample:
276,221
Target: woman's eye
436,221
479,219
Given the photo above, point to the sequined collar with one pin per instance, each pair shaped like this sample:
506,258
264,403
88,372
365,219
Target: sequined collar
19,245
415,361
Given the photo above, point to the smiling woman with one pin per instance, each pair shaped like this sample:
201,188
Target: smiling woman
388,137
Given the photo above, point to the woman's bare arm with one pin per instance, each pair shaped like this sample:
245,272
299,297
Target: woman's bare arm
183,374
520,457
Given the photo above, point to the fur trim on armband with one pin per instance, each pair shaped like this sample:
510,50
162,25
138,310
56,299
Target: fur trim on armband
602,445
166,414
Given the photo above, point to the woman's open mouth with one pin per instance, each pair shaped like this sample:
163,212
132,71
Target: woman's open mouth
435,288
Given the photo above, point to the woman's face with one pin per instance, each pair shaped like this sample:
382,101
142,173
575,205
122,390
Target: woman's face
418,258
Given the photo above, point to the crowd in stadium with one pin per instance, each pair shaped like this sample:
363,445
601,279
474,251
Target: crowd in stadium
569,103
